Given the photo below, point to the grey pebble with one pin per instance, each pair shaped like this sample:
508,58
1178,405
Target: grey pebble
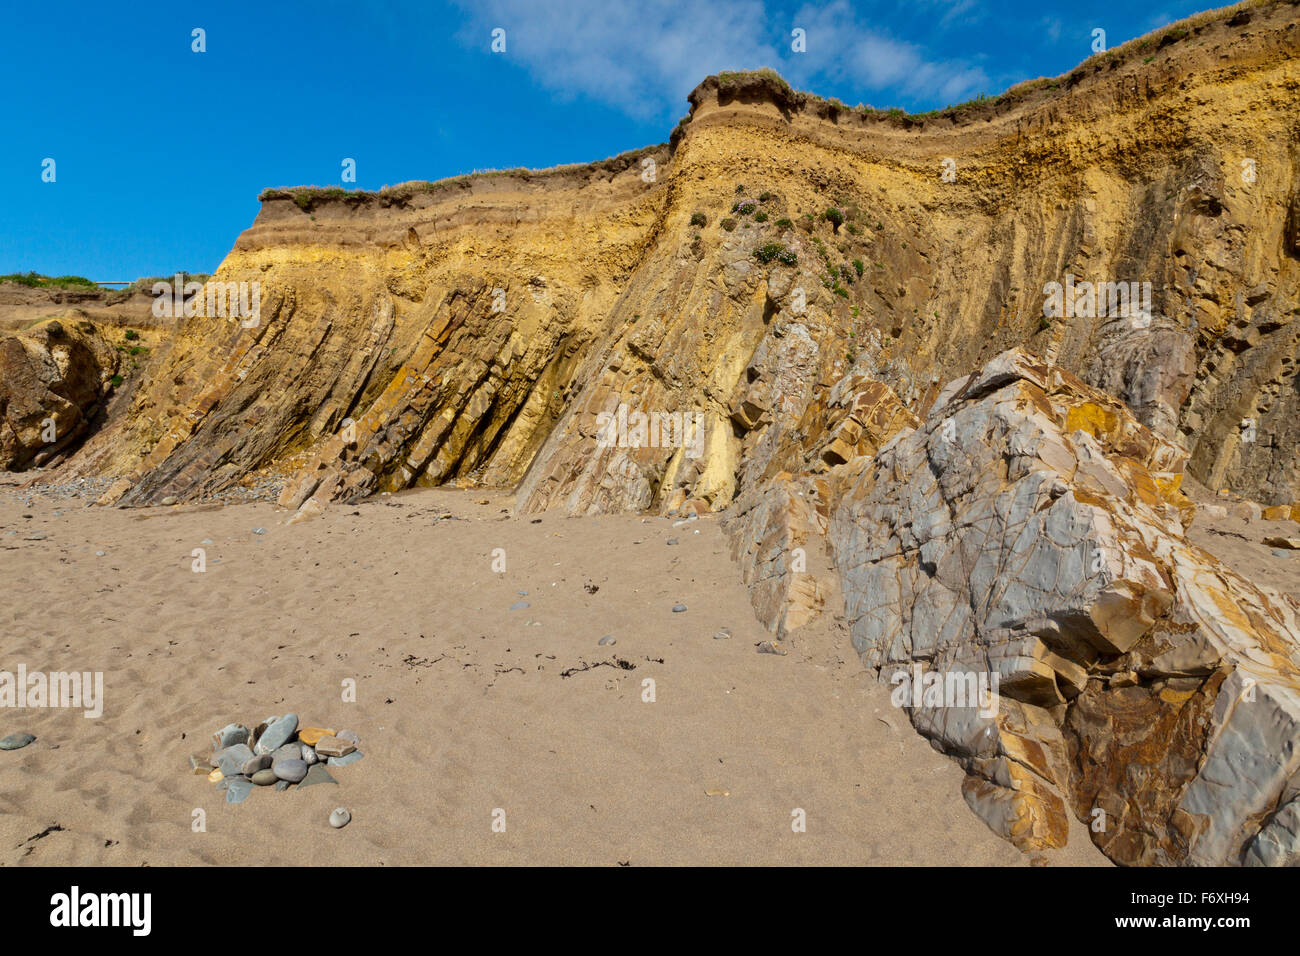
259,531
519,605
231,760
309,755
345,759
291,770
238,789
1279,553
264,778
350,735
16,741
277,733
607,639
678,608
722,635
672,540
340,818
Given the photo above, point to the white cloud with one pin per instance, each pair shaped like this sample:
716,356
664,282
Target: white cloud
644,56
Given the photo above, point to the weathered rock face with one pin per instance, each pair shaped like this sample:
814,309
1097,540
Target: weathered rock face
473,330
1031,529
53,380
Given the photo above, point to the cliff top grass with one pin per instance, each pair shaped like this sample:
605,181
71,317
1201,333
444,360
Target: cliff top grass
307,197
35,280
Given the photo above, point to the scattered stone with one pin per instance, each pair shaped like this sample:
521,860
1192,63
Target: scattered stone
255,763
671,541
678,608
278,733
229,735
231,760
519,605
16,741
722,635
1279,553
309,735
607,639
264,778
346,759
169,500
238,789
317,773
216,776
349,735
259,531
290,751
200,764
334,747
716,792
291,770
340,818
1277,513
771,647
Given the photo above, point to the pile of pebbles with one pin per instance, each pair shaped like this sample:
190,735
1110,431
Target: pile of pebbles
278,753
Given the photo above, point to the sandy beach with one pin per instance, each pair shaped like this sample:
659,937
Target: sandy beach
463,705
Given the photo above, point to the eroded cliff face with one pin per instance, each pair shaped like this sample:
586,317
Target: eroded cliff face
1180,172
523,329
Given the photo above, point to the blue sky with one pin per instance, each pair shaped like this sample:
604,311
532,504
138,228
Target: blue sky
160,151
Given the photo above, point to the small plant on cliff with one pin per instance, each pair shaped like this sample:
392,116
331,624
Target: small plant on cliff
699,219
116,380
744,207
834,217
765,196
728,224
775,251
858,267
760,217
132,335
784,223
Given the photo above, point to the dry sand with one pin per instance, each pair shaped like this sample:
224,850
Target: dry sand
462,704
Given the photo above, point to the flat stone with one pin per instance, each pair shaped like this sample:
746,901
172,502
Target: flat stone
317,773
231,760
678,608
607,639
309,735
238,789
345,759
200,764
722,635
290,770
1289,544
278,733
771,647
282,785
290,751
216,777
334,747
340,818
349,735
264,778
519,605
229,735
16,741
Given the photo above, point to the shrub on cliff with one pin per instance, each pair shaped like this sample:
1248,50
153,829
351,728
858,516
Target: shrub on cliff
775,251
